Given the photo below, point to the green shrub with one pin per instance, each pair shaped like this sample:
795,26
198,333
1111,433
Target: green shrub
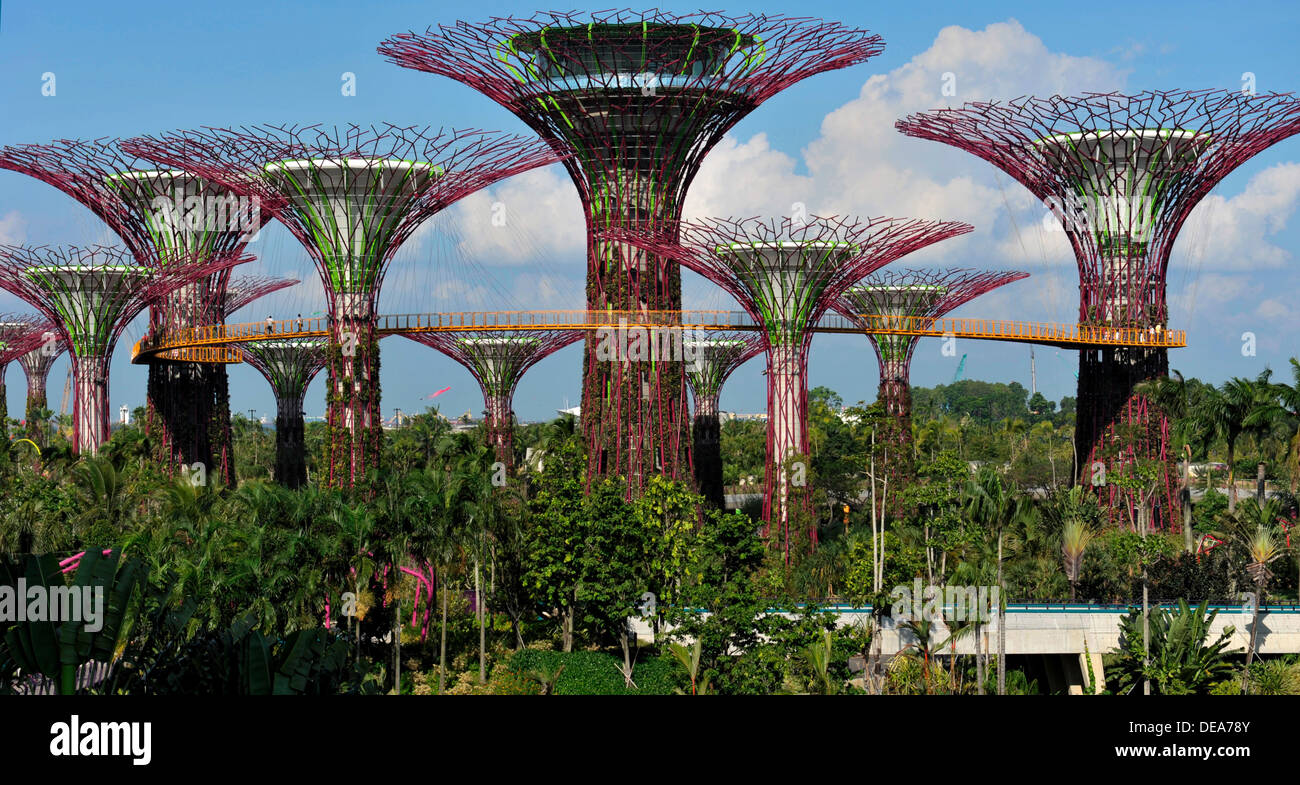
597,673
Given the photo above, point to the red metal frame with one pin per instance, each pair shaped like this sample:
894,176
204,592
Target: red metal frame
462,162
638,99
107,314
187,413
952,288
1067,150
717,354
499,371
830,255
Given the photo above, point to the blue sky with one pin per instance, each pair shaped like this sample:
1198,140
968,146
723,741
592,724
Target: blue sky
144,67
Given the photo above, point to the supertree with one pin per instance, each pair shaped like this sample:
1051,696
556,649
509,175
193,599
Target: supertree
289,365
351,195
217,308
710,360
638,98
902,300
498,359
36,366
1121,173
161,216
19,334
786,273
90,294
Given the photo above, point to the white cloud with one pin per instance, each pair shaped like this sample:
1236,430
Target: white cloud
13,229
1229,233
860,165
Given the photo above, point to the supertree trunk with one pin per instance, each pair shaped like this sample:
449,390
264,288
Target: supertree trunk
221,436
787,437
177,415
355,433
36,367
499,425
4,402
634,413
37,402
90,416
896,397
706,450
290,450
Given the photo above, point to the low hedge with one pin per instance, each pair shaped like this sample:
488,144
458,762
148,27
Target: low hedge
598,673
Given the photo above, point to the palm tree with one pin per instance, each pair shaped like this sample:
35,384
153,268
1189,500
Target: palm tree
1231,410
1075,538
1264,548
990,505
1281,409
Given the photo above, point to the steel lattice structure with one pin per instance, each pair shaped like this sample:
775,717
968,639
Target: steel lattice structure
351,195
904,296
638,98
162,215
710,360
36,367
89,294
246,289
1121,173
498,360
19,334
786,273
289,365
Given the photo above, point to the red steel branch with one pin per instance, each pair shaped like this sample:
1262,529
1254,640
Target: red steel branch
351,195
638,99
786,273
709,361
498,360
90,294
1122,173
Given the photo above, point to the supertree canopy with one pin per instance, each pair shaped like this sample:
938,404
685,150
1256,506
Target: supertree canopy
162,216
908,299
786,273
246,289
36,367
1121,173
19,334
289,365
351,195
638,99
498,359
90,294
710,360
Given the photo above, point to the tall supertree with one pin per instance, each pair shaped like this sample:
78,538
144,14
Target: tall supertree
711,360
1121,173
238,293
36,366
903,300
498,359
786,273
289,365
161,216
19,334
351,195
90,294
638,98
